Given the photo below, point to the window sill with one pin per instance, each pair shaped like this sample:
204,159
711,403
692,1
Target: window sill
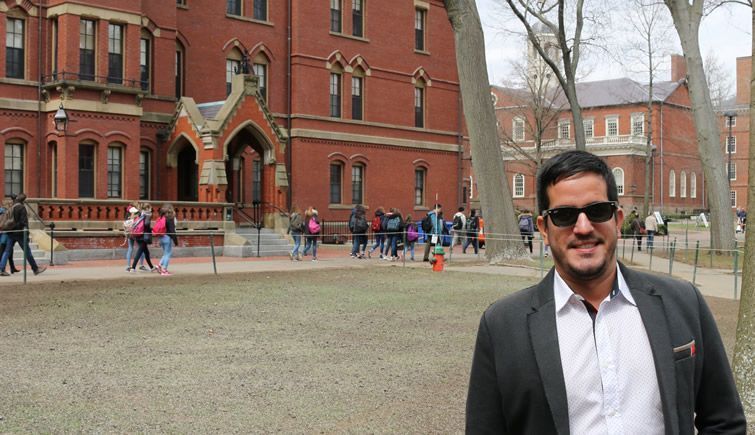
343,206
249,20
11,81
423,52
347,36
421,208
182,6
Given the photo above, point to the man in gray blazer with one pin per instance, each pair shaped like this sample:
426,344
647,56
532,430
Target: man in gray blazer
596,347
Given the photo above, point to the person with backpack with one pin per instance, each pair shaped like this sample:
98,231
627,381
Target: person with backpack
459,223
128,226
395,230
432,226
526,228
311,231
473,226
377,230
15,223
358,226
4,238
412,235
295,228
142,234
165,232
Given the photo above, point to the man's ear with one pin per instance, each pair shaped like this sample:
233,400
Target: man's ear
542,227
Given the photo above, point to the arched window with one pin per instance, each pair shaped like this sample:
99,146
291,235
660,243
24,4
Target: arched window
518,186
336,182
114,170
357,94
260,69
357,183
671,184
145,60
335,91
618,175
14,167
693,185
419,104
87,166
683,184
232,67
145,172
180,57
420,178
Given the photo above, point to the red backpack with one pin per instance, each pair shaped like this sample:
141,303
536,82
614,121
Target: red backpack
377,224
159,229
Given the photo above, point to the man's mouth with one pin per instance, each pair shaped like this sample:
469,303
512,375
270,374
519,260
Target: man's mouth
584,245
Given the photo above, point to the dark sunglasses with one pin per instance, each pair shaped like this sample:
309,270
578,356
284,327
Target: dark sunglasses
567,216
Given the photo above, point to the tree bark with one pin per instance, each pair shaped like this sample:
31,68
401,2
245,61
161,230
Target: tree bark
687,18
502,239
744,350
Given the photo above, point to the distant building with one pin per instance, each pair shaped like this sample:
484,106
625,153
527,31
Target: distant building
738,151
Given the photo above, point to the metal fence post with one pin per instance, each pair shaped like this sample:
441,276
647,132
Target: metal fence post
52,243
736,266
697,256
671,257
212,249
25,246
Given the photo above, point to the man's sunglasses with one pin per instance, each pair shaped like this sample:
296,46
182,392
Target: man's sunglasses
567,216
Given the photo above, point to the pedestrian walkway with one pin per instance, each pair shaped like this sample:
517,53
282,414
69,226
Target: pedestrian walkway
711,282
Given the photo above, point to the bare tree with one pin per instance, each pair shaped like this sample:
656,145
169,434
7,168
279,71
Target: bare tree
687,15
563,58
744,349
646,45
536,101
495,195
719,81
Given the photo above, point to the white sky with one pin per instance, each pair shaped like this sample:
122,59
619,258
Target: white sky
726,32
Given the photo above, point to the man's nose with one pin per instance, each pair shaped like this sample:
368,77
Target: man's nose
583,224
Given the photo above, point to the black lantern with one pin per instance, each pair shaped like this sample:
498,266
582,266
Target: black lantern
60,119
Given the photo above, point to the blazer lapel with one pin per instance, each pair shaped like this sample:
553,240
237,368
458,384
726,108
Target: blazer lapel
544,337
650,305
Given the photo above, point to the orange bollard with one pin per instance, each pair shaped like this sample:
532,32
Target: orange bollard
438,263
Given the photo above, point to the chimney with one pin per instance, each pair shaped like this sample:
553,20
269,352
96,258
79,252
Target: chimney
744,70
678,68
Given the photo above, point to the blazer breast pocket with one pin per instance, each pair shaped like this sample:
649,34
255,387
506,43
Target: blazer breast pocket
685,351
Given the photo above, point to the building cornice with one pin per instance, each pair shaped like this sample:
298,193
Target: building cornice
368,139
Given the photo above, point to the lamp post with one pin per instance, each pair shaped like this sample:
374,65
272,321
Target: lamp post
730,115
60,120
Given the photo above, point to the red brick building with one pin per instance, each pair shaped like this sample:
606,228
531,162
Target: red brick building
210,103
616,126
738,110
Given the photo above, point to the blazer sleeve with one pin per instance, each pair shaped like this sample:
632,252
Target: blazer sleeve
484,405
718,407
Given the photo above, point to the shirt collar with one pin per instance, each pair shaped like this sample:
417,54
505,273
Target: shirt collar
562,293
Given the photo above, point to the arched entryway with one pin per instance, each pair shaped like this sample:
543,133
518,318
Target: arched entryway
245,167
188,174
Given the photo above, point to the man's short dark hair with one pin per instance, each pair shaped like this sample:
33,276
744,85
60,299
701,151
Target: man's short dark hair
437,206
461,208
567,164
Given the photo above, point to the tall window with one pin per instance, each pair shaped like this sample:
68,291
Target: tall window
517,130
732,170
260,10
420,174
335,95
54,170
357,184
179,71
144,174
419,29
733,121
233,7
564,130
356,97
682,184
357,29
114,165
638,124
86,50
336,172
419,106
733,198
335,16
518,186
231,68
14,169
612,126
260,70
14,48
144,64
115,53
86,171
618,175
693,185
589,126
54,48
256,180
672,184
732,141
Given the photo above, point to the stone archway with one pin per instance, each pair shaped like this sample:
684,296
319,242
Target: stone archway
187,174
247,155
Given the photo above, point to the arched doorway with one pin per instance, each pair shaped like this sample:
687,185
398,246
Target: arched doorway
188,174
245,168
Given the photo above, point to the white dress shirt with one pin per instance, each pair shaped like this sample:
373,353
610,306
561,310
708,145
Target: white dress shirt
609,371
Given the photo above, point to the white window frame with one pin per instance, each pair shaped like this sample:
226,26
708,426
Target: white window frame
609,120
733,198
683,184
733,121
732,170
693,185
618,176
561,125
517,129
638,119
589,127
732,144
518,184
672,184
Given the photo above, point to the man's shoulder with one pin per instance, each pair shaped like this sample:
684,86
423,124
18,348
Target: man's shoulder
674,289
513,305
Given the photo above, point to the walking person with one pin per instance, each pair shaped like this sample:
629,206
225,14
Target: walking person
5,213
378,231
296,229
431,225
311,231
165,231
473,228
651,227
458,226
358,226
128,225
412,235
142,234
16,222
526,228
597,347
636,228
395,230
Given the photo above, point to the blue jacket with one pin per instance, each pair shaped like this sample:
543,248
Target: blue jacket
437,223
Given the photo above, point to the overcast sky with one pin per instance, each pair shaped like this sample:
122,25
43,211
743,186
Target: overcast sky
726,32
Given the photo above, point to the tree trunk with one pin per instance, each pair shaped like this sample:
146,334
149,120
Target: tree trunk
687,22
744,350
495,196
649,135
